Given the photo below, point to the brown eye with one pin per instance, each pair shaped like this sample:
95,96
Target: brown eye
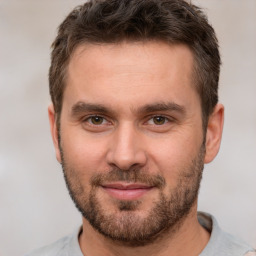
159,120
96,120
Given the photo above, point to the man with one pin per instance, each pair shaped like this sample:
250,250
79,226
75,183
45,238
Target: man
135,116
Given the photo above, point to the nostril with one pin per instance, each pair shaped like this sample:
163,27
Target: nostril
124,163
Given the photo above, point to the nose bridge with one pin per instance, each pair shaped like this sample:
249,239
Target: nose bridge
126,149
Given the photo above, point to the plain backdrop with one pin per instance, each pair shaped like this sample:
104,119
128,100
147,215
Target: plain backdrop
35,208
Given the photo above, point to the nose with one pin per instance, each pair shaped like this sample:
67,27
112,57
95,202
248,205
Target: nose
126,149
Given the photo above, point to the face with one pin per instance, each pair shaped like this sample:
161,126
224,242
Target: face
131,139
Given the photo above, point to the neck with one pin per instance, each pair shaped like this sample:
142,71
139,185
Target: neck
190,238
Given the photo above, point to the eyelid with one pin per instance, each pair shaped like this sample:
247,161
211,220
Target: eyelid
88,117
106,120
168,118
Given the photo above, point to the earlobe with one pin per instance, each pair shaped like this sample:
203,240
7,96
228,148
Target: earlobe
214,133
54,131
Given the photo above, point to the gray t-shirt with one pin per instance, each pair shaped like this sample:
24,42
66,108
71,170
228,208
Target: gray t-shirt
220,243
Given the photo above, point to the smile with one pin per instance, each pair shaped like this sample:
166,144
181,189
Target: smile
126,191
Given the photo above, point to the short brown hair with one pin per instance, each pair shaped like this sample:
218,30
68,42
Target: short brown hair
113,21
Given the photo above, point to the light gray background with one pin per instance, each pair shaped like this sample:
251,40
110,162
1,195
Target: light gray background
35,208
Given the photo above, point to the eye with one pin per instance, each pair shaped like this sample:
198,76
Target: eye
96,120
158,120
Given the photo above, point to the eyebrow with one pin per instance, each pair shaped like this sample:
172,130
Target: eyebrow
82,107
162,106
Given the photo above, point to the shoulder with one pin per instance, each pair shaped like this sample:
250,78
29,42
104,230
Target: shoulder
65,246
54,249
235,245
222,243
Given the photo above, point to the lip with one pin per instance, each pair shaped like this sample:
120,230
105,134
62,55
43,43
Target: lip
126,191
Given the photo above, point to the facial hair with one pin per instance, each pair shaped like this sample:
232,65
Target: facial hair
125,226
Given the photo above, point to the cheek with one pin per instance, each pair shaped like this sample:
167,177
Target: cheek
173,156
83,152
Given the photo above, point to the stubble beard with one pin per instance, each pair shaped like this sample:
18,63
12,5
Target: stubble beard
124,225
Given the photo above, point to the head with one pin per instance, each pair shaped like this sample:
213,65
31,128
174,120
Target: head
135,114
114,21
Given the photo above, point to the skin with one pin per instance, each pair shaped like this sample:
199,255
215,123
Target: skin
124,78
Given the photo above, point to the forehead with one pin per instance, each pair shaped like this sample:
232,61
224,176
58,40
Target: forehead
127,56
128,70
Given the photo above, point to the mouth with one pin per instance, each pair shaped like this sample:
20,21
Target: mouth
126,191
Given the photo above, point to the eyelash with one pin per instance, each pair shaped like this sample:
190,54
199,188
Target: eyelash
166,120
94,116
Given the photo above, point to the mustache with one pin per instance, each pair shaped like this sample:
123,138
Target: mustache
132,175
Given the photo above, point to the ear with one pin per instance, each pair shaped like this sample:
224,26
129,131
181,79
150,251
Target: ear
214,133
54,131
